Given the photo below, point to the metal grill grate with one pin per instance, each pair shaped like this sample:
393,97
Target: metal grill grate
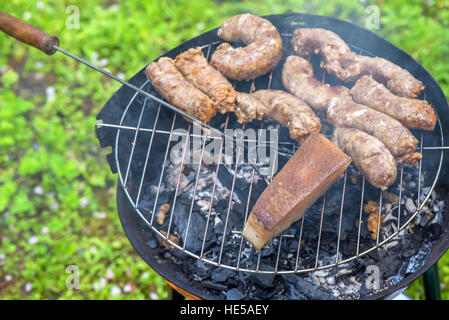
148,127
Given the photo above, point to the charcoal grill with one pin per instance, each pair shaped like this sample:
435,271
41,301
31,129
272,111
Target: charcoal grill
140,127
123,136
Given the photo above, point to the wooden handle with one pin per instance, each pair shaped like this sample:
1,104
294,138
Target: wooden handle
27,33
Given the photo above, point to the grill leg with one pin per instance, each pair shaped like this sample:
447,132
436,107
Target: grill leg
432,283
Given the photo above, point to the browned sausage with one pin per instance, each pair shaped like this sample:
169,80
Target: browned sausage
262,53
298,79
170,83
344,112
369,155
289,111
195,67
338,59
412,113
248,108
399,81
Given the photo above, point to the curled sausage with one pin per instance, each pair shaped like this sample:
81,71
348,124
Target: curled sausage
344,112
412,113
338,59
262,52
370,156
170,83
195,68
290,111
281,107
398,80
298,79
248,108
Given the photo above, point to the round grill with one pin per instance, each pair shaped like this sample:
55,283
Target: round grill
143,134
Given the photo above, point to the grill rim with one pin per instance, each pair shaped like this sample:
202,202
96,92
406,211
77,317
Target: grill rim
298,16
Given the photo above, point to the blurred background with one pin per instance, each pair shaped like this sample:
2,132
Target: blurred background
57,193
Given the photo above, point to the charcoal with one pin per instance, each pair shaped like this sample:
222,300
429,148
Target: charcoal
364,291
417,237
197,227
234,294
243,276
418,260
433,232
221,206
213,285
264,280
152,243
310,290
202,269
408,253
290,246
219,226
267,250
390,265
221,274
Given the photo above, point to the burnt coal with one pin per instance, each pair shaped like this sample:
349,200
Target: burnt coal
234,294
214,285
195,233
264,280
202,269
221,274
152,243
309,289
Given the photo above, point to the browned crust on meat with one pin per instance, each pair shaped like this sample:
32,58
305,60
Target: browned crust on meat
370,156
339,60
344,112
290,111
195,68
170,83
262,52
314,167
298,79
248,108
398,80
412,113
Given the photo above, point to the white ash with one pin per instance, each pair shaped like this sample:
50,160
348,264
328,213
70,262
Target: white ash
410,205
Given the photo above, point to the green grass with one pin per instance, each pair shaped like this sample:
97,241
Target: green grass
57,194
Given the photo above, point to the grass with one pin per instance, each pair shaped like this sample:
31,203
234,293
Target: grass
57,194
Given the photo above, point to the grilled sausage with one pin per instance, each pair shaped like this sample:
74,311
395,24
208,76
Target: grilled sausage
280,106
195,68
344,112
398,80
262,53
170,83
289,111
338,59
248,108
412,113
369,155
298,79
